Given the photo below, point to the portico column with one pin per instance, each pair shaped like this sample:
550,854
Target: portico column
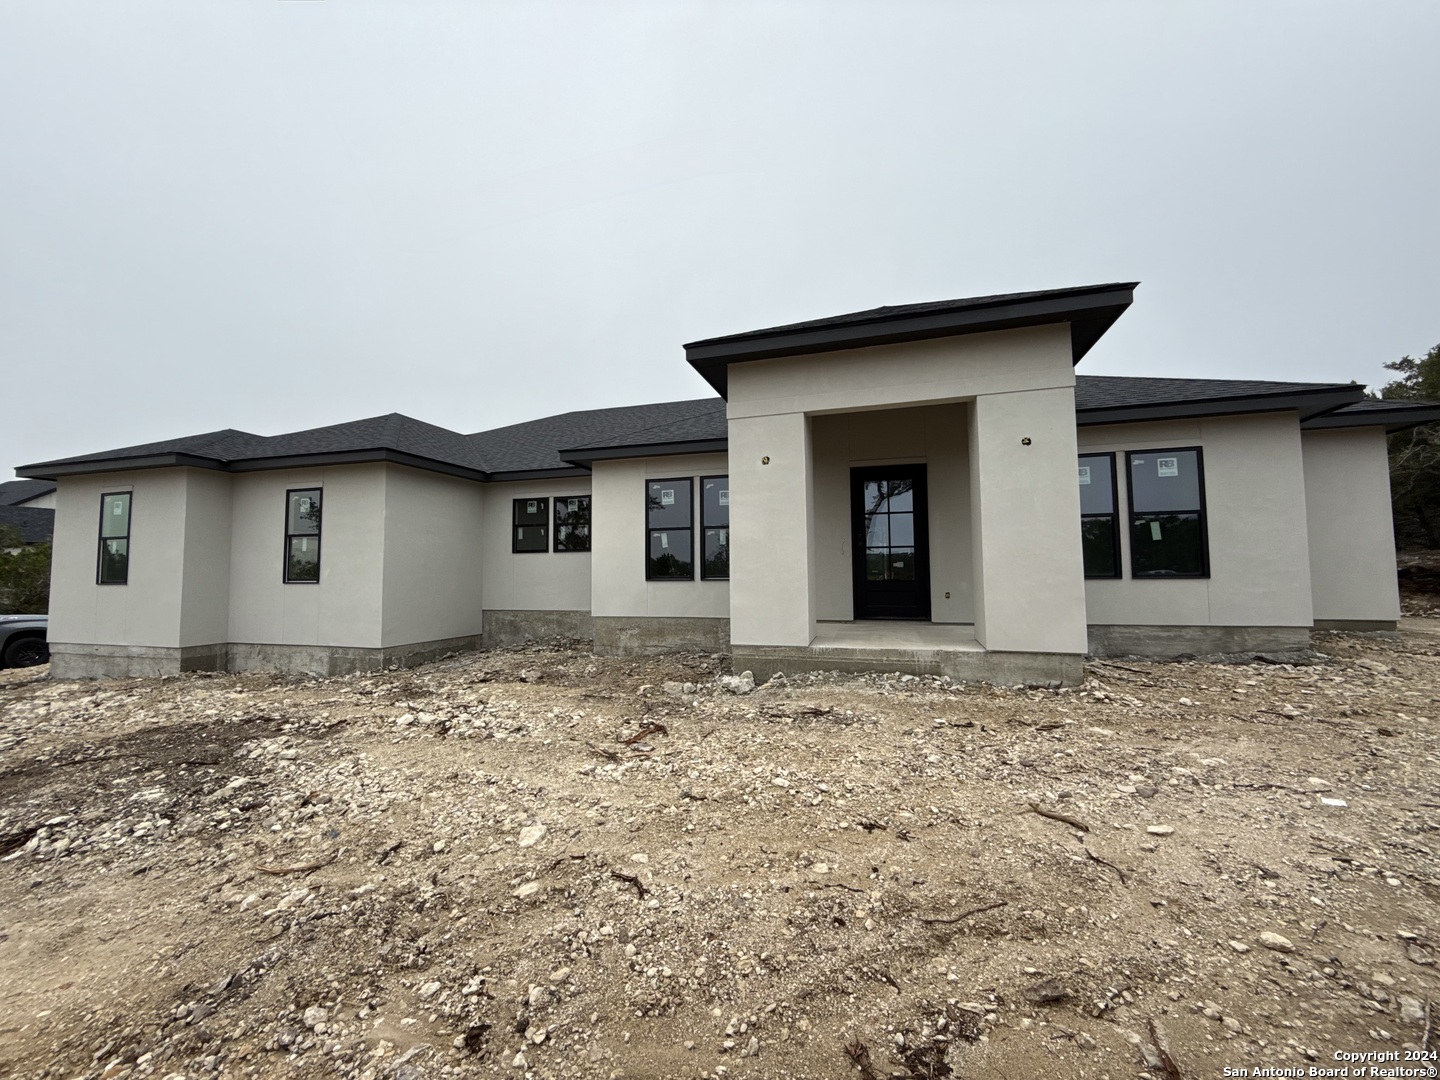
772,591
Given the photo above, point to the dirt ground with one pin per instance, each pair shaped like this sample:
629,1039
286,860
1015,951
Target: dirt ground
539,863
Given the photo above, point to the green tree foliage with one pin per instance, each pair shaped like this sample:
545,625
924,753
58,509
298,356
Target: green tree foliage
24,575
1415,454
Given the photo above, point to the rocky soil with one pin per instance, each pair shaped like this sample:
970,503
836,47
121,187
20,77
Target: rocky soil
539,863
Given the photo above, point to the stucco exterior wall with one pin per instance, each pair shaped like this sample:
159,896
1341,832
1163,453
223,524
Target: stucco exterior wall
434,531
345,606
205,564
907,374
532,581
146,610
1256,516
1026,513
41,502
618,586
934,435
1349,525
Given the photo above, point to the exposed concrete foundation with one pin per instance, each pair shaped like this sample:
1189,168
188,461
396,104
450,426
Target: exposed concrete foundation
1359,626
626,636
970,665
69,661
517,627
1171,641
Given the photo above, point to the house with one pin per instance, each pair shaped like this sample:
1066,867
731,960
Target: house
28,507
925,488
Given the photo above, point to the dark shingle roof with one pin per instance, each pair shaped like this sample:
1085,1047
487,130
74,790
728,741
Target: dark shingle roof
35,524
1394,414
556,443
15,492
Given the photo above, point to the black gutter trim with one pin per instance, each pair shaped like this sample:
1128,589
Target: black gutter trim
585,455
1089,316
1308,404
47,471
1401,418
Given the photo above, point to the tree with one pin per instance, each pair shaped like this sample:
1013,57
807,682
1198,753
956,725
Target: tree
1415,454
24,575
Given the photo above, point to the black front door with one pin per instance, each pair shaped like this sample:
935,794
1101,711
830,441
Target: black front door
891,542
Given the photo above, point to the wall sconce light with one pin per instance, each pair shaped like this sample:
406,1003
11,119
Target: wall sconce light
765,460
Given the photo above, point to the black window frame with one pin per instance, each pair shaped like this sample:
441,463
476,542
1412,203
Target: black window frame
705,526
1113,515
1202,513
650,531
318,490
101,538
556,526
515,525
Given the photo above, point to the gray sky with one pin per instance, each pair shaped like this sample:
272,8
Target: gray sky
273,214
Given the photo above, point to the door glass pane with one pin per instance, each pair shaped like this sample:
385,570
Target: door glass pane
874,493
878,534
304,513
902,496
304,559
875,565
115,515
902,529
902,564
114,561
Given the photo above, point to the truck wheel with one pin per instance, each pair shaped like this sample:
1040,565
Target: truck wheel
27,652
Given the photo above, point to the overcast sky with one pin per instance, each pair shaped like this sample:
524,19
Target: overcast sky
277,214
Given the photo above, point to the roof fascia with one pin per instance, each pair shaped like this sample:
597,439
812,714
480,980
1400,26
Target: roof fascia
536,474
1307,404
1090,315
1392,420
587,455
46,470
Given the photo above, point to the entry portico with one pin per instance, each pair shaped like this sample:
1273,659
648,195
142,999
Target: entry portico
969,410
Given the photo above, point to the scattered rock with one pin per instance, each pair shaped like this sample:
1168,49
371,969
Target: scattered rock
1278,942
1160,830
531,835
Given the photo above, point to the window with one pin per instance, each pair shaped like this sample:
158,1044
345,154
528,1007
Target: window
114,562
572,523
532,519
302,536
1167,514
715,527
669,530
1099,531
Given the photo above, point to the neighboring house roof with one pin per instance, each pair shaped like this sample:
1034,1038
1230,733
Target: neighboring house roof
16,492
566,444
1395,415
36,524
1089,310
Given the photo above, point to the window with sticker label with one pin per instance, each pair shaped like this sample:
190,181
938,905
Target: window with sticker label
669,530
715,528
530,527
1099,530
572,523
302,536
114,562
1168,536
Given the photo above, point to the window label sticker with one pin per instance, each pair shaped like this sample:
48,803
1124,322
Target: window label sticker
1154,530
573,505
1167,466
531,506
117,507
664,540
520,533
667,496
1084,474
724,496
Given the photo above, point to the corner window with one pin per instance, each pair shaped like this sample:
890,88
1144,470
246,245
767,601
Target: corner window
1099,530
669,530
1167,513
529,528
715,527
302,536
114,561
572,523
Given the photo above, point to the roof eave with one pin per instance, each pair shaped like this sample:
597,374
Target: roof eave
1392,420
1089,316
54,470
1307,404
585,456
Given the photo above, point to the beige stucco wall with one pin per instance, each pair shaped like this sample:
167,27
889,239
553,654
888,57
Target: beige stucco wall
205,565
933,435
1026,514
618,586
434,532
43,502
1256,514
532,581
1350,527
146,610
344,607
